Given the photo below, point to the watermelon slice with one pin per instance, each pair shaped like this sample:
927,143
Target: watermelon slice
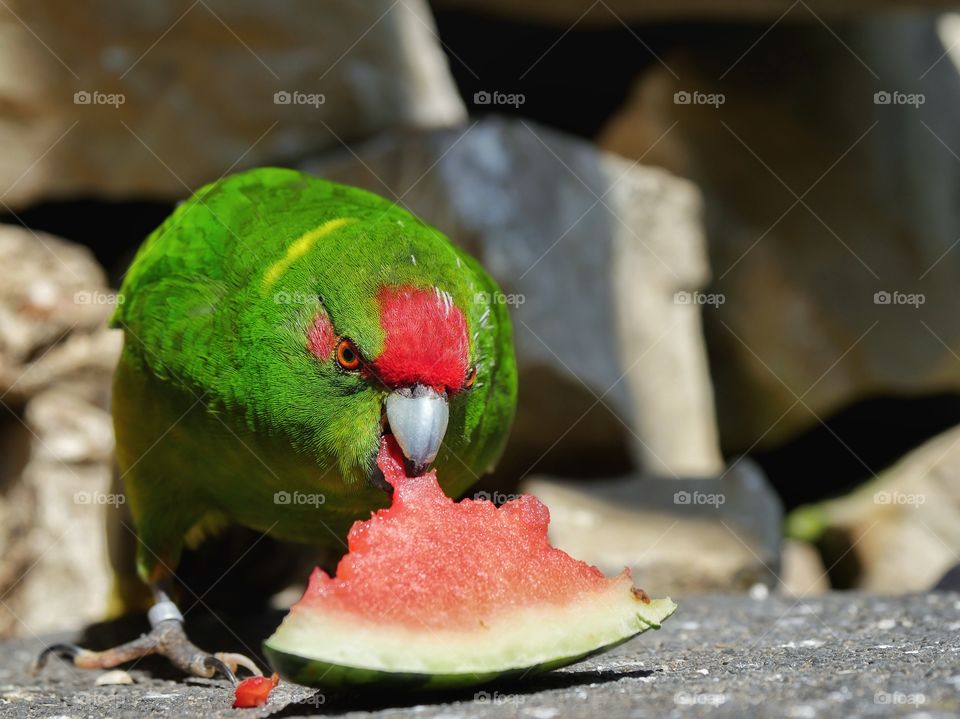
440,593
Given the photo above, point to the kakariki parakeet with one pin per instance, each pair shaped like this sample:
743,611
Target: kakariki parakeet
276,328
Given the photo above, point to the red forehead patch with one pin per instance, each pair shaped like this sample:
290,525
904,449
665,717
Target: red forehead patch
425,339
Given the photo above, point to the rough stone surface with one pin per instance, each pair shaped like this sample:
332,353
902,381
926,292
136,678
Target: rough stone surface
54,304
591,252
820,245
56,360
839,655
179,93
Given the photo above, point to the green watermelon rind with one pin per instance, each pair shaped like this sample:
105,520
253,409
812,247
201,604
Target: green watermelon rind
326,675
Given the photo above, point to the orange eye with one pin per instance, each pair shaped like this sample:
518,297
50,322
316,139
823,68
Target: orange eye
471,378
347,355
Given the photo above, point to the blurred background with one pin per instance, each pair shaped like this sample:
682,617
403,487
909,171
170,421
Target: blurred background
727,232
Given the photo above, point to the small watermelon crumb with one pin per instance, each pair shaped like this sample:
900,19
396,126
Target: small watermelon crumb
254,691
444,593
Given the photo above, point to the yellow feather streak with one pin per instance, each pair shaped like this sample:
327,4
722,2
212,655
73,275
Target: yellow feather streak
301,246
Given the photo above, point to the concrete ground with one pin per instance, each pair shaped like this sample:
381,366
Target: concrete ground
838,655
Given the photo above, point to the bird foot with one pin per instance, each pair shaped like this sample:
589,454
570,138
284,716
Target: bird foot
166,638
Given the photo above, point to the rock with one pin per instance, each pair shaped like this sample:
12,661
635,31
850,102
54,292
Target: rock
62,578
113,678
54,305
614,13
677,537
598,259
145,100
949,582
56,361
803,573
832,239
900,532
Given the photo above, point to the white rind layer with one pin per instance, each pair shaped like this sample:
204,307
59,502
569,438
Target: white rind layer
514,638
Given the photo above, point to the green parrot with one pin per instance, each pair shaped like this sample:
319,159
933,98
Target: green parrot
277,327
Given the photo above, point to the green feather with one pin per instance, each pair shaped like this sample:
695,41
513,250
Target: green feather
218,405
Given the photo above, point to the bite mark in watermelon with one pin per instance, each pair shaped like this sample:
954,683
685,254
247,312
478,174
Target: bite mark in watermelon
437,592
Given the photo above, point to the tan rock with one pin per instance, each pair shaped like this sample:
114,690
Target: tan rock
803,573
54,305
56,360
54,573
901,532
146,99
113,678
831,236
69,474
596,256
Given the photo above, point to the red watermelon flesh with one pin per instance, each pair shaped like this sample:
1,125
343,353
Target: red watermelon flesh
433,587
254,691
449,563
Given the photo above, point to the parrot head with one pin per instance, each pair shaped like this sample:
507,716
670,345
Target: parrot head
404,381
365,323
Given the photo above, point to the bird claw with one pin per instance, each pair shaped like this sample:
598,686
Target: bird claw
206,666
64,651
235,661
167,639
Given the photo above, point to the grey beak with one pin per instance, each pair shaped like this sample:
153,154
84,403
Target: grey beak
418,418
